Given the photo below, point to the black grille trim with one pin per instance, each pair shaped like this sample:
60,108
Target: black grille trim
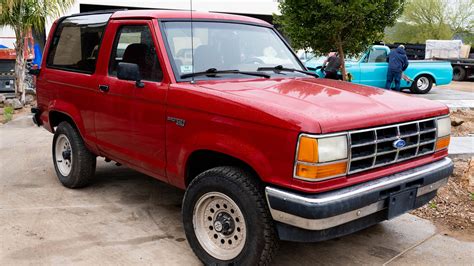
373,147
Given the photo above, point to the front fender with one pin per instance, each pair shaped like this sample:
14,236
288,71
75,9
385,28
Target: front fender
271,158
219,143
319,72
235,147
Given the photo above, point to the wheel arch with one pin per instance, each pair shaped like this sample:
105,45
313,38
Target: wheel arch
56,117
201,160
60,111
428,74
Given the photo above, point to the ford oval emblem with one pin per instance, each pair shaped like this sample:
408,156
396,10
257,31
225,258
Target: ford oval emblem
399,143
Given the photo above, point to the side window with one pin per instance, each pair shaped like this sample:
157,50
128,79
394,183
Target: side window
76,43
377,56
134,44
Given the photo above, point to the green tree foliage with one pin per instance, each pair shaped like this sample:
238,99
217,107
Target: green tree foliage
346,26
434,19
22,16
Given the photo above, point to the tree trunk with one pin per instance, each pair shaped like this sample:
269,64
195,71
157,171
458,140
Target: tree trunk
343,63
20,63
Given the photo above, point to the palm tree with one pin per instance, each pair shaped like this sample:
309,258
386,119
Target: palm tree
22,16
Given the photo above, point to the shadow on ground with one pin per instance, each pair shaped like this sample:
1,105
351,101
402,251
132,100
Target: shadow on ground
125,217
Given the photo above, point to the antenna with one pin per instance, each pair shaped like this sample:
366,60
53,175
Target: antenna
192,41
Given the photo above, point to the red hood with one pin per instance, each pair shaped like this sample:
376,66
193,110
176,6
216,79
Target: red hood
335,105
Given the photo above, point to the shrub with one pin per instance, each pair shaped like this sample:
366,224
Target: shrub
8,113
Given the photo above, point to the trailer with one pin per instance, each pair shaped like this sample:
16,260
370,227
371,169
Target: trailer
453,51
463,69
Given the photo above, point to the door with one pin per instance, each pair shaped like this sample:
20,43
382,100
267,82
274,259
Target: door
131,120
373,68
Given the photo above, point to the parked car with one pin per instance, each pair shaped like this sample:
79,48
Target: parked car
305,55
371,69
263,151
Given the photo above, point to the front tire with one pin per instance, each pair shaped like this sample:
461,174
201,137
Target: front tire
226,219
459,73
73,162
422,84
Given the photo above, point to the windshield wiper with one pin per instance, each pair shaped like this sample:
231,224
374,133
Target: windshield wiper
280,68
212,72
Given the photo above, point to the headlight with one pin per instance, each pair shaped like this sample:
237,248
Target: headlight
444,131
320,158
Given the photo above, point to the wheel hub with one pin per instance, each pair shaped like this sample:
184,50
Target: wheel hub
224,223
67,154
423,83
219,225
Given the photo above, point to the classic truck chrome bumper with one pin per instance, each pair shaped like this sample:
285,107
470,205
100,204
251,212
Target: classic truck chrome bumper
392,195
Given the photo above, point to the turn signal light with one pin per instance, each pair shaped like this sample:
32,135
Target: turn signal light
442,143
321,171
308,150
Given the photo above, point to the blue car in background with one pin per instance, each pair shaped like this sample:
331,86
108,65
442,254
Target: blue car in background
371,69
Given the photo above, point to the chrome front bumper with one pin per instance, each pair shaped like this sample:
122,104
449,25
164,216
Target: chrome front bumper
336,208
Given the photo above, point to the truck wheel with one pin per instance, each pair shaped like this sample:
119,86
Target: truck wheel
226,219
73,162
459,73
422,84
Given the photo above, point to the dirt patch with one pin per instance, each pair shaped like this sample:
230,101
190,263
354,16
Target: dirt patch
453,207
462,123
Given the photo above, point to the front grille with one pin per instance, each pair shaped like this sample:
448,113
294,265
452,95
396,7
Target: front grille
374,147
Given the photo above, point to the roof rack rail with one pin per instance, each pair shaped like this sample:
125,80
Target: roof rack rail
97,12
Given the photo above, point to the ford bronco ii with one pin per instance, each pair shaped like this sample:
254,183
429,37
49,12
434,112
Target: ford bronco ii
264,150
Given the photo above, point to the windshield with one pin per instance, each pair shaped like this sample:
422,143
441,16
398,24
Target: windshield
225,46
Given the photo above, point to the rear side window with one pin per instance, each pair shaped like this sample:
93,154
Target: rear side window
76,42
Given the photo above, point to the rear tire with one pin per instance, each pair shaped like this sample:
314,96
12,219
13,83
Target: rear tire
459,73
73,162
226,219
422,84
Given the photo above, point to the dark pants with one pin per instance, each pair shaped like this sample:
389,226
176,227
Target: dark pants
331,75
394,76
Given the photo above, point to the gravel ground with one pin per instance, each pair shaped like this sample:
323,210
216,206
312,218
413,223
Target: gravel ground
462,123
453,207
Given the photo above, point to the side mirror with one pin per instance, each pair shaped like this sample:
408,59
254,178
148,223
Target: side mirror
130,71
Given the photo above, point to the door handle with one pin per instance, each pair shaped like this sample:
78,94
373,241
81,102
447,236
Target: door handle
104,88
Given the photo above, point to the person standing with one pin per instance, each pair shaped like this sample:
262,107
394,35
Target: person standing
397,63
331,66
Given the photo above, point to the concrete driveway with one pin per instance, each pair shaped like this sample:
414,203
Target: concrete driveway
129,218
456,95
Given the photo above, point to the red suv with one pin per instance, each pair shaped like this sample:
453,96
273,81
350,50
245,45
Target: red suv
223,108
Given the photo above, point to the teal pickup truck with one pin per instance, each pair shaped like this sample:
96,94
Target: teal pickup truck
371,69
